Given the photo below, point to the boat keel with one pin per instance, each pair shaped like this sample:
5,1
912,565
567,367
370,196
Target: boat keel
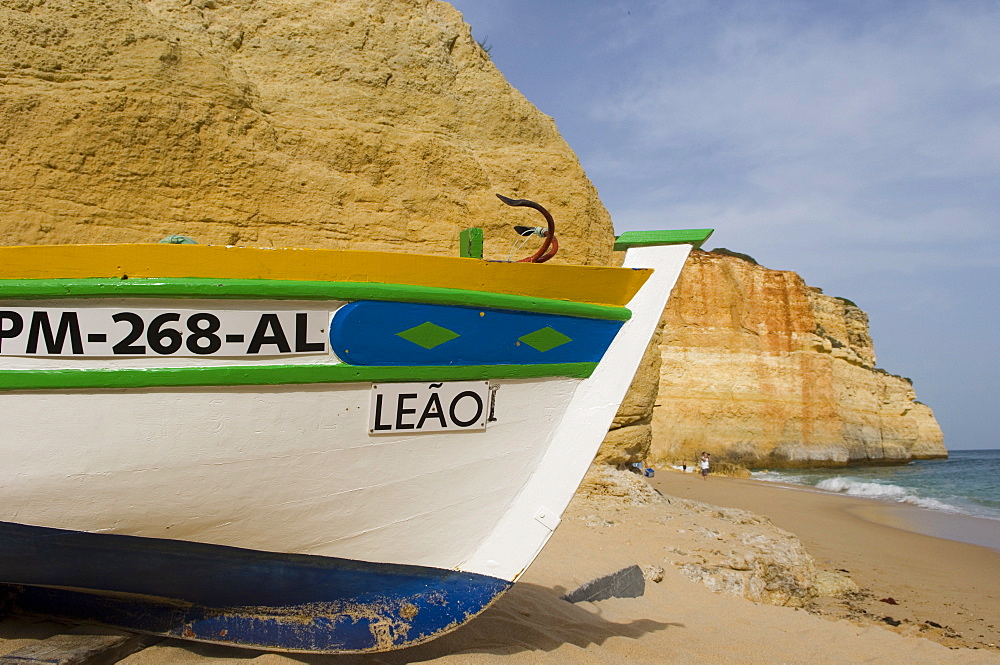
227,595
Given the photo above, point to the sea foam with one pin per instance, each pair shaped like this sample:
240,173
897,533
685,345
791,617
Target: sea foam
887,492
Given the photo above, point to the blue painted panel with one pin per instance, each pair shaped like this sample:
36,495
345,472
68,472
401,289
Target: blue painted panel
395,333
224,594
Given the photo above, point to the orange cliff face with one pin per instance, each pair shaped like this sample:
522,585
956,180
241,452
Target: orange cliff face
761,369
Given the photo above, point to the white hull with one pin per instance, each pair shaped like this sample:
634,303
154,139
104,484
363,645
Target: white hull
291,471
304,450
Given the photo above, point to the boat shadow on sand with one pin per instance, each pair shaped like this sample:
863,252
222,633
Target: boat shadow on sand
528,618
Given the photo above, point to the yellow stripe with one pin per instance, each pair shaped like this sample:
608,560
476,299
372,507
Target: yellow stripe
589,284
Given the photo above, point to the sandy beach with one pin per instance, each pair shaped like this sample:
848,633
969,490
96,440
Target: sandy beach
885,548
920,599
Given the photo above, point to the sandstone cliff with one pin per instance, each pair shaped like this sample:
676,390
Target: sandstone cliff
382,124
371,124
761,369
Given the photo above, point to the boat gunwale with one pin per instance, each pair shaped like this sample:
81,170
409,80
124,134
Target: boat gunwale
287,289
598,285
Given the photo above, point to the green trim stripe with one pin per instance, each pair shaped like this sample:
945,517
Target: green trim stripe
694,237
272,375
192,287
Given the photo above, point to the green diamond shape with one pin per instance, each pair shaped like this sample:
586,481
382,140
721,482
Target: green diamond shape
428,335
545,339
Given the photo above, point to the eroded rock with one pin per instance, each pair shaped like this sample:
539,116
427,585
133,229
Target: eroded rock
759,368
728,550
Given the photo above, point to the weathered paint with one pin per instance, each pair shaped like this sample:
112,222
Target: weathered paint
384,333
471,243
587,284
227,595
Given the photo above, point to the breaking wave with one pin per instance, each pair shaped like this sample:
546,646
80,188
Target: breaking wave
885,492
967,482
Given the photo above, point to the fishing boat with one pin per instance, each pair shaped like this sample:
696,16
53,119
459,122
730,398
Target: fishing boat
302,450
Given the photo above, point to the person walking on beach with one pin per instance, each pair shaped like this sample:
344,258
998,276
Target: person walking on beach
705,460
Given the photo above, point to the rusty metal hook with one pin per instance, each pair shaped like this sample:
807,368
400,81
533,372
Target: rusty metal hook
551,244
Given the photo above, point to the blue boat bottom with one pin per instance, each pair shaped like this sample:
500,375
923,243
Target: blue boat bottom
228,595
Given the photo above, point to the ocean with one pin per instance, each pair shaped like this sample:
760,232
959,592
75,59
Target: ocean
967,483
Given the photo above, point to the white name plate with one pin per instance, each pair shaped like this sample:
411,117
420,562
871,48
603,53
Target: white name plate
455,406
137,332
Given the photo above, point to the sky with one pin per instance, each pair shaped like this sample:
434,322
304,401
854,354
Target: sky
856,143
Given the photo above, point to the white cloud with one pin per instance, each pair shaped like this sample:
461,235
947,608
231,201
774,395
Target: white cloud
842,131
856,143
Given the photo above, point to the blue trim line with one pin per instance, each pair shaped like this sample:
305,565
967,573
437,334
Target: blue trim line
212,593
396,334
